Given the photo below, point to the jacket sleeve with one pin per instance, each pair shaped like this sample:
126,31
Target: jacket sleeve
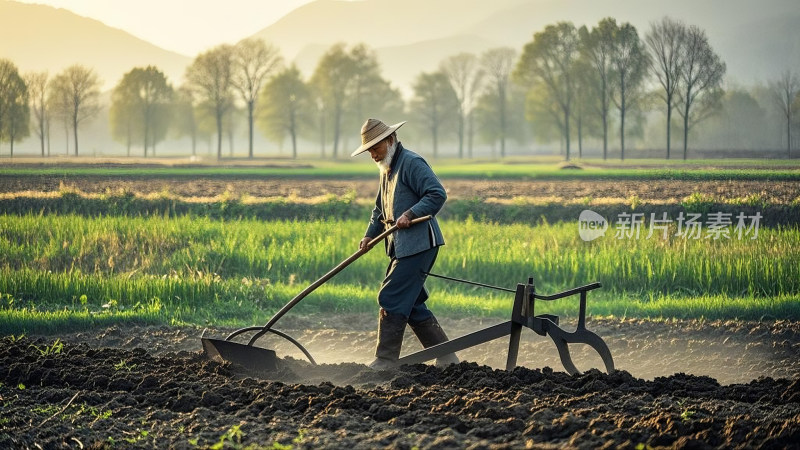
427,187
375,226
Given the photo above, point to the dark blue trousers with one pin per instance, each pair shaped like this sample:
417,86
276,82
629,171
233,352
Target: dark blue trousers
403,289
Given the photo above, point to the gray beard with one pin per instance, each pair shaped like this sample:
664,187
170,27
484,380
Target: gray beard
385,164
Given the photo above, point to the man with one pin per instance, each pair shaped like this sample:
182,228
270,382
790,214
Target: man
408,189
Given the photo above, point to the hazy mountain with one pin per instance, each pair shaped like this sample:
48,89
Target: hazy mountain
378,23
756,39
37,37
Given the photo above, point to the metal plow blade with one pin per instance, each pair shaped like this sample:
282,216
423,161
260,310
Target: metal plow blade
255,359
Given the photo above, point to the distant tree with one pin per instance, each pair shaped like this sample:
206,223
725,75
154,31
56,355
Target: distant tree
287,107
364,84
544,115
58,104
796,120
230,124
741,123
254,60
465,75
331,81
14,111
585,102
700,81
184,116
210,76
125,118
370,95
436,102
75,93
142,100
666,40
547,66
630,62
785,90
37,94
497,64
488,118
597,47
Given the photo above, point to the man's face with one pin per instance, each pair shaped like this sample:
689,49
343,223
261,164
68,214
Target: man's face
379,150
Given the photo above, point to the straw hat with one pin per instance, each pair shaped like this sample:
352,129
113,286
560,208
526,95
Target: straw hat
372,132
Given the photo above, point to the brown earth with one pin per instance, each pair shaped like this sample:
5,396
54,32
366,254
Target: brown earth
681,384
780,192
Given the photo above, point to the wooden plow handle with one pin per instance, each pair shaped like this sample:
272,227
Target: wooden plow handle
299,297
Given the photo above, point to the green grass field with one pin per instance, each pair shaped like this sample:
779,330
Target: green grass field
745,169
61,272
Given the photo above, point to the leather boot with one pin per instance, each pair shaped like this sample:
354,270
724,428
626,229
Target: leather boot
430,333
390,339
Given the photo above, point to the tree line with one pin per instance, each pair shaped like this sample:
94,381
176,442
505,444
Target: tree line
567,84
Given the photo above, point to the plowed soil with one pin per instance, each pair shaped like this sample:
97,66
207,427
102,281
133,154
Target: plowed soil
681,384
780,192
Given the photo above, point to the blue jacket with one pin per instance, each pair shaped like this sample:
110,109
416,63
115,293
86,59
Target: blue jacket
409,185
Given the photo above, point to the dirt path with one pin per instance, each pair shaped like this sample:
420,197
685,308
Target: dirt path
126,396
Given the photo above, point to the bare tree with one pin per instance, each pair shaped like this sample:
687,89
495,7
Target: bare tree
464,74
547,65
497,64
210,76
784,91
58,105
665,41
700,80
76,90
253,61
630,62
37,94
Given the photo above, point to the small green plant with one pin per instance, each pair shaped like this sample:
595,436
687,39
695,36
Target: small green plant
48,350
697,202
635,201
134,439
123,365
111,305
301,435
47,410
14,338
21,387
687,415
234,435
100,415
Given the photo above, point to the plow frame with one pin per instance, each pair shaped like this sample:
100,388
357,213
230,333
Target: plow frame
523,315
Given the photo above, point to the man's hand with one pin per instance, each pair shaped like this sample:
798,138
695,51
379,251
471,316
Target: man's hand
364,242
403,221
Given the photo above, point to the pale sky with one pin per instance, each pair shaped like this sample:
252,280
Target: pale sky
184,26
